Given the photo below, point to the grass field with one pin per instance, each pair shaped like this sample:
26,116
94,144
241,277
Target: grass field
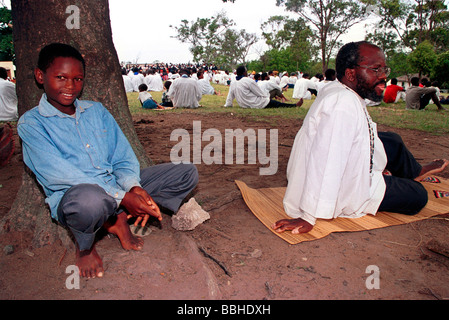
393,115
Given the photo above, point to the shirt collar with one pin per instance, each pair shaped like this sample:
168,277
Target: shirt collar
46,109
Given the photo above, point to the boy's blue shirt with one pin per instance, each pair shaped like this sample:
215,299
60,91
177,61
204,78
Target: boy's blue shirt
89,147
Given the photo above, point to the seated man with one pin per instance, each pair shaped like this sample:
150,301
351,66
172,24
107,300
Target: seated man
393,93
249,95
292,80
329,76
185,92
338,158
417,98
8,98
205,86
274,90
284,81
303,88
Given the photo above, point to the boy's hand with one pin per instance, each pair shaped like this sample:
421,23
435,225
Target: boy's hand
139,204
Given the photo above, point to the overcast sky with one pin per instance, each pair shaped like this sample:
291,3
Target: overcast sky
141,28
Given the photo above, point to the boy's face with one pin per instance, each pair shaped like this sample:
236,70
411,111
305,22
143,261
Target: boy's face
62,82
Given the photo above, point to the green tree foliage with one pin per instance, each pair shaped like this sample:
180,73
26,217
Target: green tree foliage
440,71
393,49
329,19
415,21
6,42
212,40
423,58
288,42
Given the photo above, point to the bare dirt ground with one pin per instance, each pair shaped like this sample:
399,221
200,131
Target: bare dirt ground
245,260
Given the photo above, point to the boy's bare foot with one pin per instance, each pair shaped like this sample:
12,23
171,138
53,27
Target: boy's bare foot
118,225
300,102
89,263
434,167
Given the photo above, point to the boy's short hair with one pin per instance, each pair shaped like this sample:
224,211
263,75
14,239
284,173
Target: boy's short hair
143,87
55,50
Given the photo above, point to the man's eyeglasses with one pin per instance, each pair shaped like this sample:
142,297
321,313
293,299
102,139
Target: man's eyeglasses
379,71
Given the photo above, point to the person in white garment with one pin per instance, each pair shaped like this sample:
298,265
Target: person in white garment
292,80
284,81
329,76
153,80
302,86
185,92
336,167
273,89
206,87
248,94
137,79
8,98
127,82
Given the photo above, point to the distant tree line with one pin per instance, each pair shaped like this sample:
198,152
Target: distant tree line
414,35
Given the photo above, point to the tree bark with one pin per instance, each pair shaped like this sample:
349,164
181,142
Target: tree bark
84,24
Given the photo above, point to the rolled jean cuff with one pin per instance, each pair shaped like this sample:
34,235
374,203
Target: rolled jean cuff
84,240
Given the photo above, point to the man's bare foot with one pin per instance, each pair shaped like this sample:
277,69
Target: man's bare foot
295,225
300,102
434,167
118,225
89,263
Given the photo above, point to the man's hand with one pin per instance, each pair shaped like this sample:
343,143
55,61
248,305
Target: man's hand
295,225
139,204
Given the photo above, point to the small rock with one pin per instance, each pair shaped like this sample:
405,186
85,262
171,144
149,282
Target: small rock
9,249
257,253
28,253
189,216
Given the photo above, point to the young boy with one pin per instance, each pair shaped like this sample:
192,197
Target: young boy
146,99
86,166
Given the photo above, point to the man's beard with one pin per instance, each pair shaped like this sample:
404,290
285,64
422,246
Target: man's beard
368,93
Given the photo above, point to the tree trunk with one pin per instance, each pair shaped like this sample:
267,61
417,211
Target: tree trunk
84,24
